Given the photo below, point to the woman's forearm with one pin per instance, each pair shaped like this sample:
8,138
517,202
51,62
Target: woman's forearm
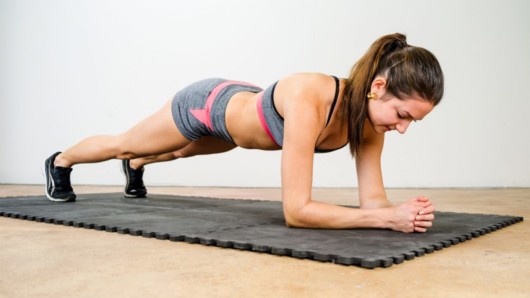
316,214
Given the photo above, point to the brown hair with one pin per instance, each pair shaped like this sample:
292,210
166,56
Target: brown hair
408,70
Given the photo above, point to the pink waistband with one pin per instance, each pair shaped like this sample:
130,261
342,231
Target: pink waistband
203,115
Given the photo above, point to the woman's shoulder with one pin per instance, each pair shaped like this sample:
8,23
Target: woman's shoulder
309,78
307,83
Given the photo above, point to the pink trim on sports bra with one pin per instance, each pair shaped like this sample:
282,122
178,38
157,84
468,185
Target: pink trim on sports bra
261,117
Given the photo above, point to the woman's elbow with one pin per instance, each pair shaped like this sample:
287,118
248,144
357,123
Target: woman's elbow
291,223
295,218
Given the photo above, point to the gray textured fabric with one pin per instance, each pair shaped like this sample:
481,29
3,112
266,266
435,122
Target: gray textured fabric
194,97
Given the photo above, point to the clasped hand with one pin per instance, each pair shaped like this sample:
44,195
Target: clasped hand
414,215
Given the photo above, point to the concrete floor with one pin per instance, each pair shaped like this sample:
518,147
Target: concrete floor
44,260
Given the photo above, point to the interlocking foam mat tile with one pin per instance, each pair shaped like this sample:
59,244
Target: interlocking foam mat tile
250,225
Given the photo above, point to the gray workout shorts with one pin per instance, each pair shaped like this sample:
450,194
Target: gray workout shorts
199,109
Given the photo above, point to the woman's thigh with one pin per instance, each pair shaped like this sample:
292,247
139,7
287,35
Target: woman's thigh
155,134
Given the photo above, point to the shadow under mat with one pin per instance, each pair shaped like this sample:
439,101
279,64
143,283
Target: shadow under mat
250,225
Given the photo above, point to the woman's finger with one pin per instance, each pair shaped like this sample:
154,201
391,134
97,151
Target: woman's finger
423,224
427,210
420,230
425,217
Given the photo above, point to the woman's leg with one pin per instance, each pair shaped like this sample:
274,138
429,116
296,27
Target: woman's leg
134,169
157,134
202,146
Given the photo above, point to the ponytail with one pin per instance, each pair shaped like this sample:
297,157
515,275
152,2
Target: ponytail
408,69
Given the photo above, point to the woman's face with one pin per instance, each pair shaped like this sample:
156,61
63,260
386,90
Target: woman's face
387,112
391,113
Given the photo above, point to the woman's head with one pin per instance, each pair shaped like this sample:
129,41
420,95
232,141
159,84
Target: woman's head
388,112
400,71
411,70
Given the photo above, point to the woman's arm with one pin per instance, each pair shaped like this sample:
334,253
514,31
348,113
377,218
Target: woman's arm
370,180
303,212
369,175
304,120
302,127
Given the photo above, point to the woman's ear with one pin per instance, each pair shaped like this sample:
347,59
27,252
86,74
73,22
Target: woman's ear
378,86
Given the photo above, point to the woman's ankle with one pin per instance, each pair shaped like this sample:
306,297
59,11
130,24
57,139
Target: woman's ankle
62,162
135,164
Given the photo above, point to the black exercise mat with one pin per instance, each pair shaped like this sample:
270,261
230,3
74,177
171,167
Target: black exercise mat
250,225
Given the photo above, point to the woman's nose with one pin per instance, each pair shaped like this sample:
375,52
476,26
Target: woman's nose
402,126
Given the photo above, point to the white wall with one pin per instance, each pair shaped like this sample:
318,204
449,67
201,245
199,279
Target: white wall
70,69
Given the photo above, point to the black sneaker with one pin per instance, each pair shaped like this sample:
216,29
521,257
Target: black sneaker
58,186
134,183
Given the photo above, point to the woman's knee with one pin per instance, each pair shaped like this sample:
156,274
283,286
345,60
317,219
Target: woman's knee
123,153
123,147
181,154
